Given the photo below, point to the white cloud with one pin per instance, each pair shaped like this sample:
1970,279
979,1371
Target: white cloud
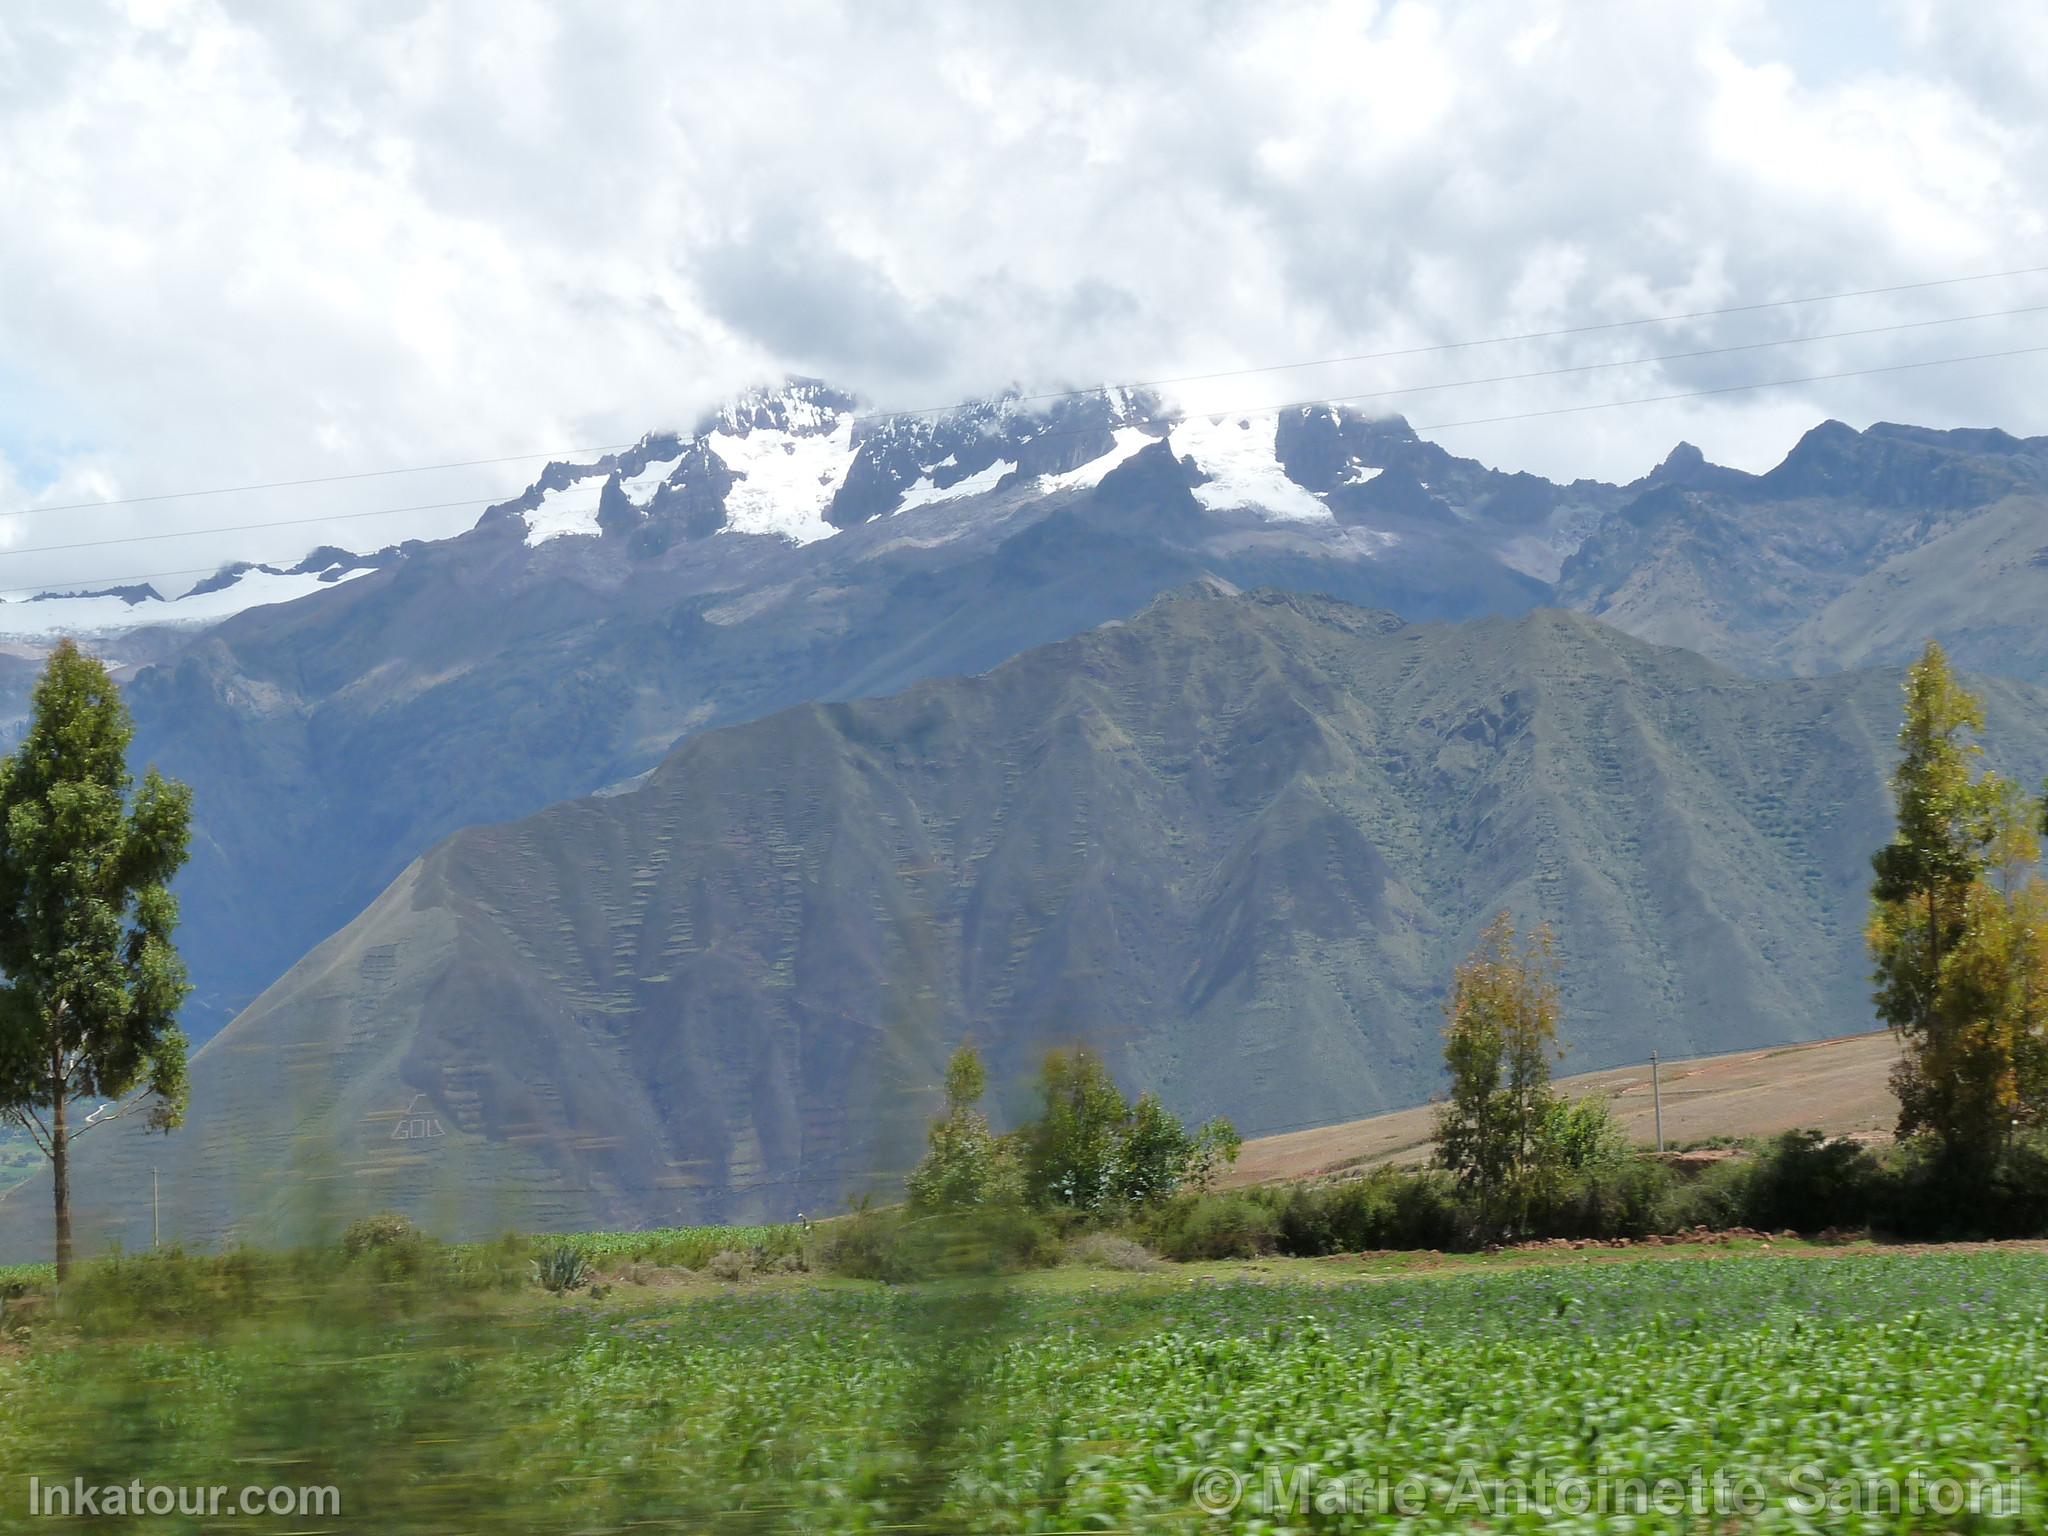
248,242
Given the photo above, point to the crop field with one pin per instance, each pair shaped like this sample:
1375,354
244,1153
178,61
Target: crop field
1869,1392
690,1246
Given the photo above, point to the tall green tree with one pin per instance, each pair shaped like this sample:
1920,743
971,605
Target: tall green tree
92,982
1073,1151
1956,928
1946,828
1500,1034
1091,1148
966,1165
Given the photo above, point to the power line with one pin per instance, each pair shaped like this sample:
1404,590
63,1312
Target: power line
1065,394
1311,402
280,485
284,522
1599,405
1664,357
1380,394
1486,341
112,581
1733,389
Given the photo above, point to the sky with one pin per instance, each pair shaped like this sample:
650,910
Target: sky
245,242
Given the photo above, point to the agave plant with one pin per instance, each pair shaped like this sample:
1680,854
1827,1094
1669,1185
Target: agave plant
561,1268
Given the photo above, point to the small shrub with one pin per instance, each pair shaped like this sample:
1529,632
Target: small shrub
1014,1238
385,1230
1931,1197
998,1240
1429,1212
861,1246
730,1266
1805,1182
2020,1191
493,1266
1308,1220
1607,1199
1106,1250
1716,1198
21,1312
1232,1226
1387,1208
386,1246
639,1272
1319,1219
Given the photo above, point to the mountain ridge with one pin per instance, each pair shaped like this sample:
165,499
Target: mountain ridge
1235,842
577,632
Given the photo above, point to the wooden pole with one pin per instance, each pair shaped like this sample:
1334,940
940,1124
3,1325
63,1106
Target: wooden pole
1657,1098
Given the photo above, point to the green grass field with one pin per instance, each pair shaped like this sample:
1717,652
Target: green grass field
1794,1391
687,1247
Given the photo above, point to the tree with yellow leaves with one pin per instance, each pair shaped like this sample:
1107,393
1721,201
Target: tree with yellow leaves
1500,1033
1959,930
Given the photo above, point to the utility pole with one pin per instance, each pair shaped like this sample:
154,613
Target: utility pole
1657,1098
156,1225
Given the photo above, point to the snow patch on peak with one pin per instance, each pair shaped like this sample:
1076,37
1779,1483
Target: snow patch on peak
1237,454
103,613
570,512
982,481
640,488
1129,440
785,480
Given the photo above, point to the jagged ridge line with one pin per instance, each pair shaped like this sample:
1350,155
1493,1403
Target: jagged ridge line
1169,421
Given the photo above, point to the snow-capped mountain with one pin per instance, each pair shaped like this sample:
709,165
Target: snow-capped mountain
803,462
785,549
789,549
100,614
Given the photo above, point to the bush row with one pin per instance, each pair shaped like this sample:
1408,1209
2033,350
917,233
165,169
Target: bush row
1800,1182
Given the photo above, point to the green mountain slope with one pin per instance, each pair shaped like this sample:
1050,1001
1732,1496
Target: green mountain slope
1850,552
1237,843
1982,585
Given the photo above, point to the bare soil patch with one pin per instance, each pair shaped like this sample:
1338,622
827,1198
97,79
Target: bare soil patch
1840,1086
